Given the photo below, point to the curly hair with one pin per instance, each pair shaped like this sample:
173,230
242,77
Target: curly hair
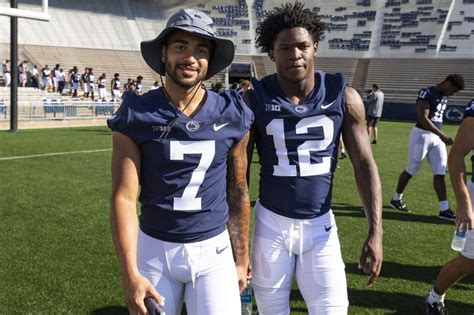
289,15
456,80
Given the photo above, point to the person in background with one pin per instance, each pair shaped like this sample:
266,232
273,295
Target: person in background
54,77
23,71
126,86
115,88
91,82
245,85
101,82
374,111
46,75
61,77
217,87
34,77
155,86
131,87
75,80
6,72
427,140
139,85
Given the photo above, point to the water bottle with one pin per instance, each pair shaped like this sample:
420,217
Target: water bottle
246,300
459,240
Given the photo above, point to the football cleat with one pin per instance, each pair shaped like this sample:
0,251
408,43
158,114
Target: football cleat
447,215
399,205
435,308
343,155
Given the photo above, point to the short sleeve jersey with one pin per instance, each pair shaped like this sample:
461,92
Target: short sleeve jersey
437,103
183,161
298,145
116,84
102,82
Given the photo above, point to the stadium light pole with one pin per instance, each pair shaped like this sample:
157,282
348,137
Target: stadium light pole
14,69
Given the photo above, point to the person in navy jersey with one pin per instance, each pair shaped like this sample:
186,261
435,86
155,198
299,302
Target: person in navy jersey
299,116
463,264
427,140
115,87
185,147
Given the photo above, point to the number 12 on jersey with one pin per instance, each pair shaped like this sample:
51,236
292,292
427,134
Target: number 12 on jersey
276,129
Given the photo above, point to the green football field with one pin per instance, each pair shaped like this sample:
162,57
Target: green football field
56,252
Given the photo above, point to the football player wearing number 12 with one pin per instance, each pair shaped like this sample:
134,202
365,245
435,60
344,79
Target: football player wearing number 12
299,116
185,147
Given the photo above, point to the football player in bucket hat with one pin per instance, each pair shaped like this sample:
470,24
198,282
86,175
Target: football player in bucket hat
183,148
196,23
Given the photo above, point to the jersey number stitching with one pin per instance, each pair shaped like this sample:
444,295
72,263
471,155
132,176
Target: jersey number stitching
178,149
276,129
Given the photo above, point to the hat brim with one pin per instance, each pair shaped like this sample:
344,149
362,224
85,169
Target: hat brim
221,58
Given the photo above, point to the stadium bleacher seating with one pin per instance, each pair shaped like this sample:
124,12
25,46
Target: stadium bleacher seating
402,45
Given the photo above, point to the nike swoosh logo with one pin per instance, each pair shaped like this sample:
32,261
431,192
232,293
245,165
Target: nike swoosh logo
219,127
328,105
219,251
328,228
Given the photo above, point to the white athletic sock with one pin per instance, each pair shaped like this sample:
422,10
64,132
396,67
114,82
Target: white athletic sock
397,196
434,297
443,205
343,151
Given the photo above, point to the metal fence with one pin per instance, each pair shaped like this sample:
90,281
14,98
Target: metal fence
59,110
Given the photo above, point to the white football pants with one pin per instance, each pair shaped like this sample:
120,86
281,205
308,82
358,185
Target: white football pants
203,274
309,249
425,144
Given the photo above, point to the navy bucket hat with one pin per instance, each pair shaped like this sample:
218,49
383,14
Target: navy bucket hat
197,23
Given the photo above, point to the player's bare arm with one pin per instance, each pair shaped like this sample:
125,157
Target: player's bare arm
367,180
124,222
423,112
463,144
239,207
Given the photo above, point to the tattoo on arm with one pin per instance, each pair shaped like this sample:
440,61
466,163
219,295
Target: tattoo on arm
238,199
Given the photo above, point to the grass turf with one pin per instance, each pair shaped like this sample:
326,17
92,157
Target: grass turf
57,254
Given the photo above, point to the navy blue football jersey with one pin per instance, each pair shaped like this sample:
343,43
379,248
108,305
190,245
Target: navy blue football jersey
183,163
437,103
298,145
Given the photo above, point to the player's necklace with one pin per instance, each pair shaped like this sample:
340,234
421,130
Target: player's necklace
170,125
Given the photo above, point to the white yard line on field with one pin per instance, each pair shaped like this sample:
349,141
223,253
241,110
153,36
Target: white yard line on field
50,154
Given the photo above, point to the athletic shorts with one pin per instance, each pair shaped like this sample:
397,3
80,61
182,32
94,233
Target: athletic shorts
372,121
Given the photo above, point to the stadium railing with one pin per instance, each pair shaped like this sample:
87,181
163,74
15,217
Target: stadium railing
53,109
